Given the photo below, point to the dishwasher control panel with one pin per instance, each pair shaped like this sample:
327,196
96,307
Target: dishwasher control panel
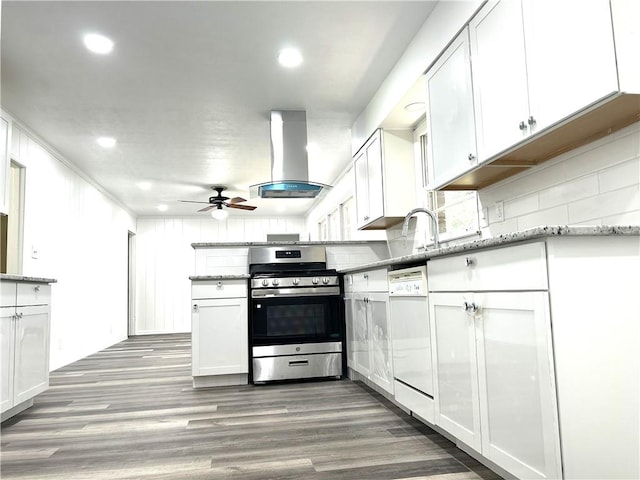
408,282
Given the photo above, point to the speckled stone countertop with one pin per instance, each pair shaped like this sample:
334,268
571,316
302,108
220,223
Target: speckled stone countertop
240,276
22,278
524,235
327,243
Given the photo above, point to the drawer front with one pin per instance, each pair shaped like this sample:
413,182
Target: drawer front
219,288
7,294
519,267
266,369
33,294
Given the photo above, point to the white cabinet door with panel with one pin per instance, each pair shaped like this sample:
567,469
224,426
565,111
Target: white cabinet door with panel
455,367
349,329
495,386
547,61
361,336
7,321
31,362
450,121
219,333
384,166
380,340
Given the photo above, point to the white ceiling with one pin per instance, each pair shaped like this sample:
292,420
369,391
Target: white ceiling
188,89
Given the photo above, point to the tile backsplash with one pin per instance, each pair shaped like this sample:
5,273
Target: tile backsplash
596,184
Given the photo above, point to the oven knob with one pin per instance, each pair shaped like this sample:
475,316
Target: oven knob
265,282
315,280
274,281
296,281
325,280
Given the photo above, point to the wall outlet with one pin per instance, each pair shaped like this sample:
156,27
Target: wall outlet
500,211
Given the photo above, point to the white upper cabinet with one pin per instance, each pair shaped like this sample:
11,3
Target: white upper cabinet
385,179
535,63
570,57
450,122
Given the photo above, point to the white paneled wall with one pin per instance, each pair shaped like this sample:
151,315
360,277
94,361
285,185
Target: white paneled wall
165,260
81,237
598,183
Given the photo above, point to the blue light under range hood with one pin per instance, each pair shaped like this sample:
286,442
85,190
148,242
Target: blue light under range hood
289,162
288,189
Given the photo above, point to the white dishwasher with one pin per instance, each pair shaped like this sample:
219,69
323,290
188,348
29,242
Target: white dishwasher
411,341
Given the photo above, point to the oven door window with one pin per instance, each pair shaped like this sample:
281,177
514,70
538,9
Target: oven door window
300,320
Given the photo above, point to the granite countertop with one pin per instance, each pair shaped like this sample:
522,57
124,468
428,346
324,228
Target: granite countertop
239,276
327,243
505,239
23,278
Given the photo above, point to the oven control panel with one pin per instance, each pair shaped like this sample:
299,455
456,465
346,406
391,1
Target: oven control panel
290,282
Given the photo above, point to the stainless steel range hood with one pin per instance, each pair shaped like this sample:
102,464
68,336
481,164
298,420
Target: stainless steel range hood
289,161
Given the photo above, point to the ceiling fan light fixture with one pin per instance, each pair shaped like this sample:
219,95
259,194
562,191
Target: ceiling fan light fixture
219,213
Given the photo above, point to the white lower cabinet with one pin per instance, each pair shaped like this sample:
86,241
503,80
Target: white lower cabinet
24,346
495,386
219,333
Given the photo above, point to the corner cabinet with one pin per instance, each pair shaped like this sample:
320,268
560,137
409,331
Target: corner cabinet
493,357
384,179
368,329
219,332
450,122
24,321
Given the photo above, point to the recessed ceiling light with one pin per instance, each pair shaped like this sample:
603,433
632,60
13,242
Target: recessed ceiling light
414,107
290,57
144,185
162,207
106,142
98,43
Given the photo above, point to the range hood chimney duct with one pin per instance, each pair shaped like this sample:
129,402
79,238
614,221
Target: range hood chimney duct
289,161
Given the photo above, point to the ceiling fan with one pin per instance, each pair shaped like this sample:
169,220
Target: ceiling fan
220,200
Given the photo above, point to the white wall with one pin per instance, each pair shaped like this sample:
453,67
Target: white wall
81,237
165,260
598,183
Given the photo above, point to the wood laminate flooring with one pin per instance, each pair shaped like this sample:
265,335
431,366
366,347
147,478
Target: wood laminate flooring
130,412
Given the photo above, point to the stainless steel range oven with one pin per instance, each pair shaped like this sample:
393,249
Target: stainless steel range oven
296,314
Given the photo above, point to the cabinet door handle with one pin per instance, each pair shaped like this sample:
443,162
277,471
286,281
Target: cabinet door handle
195,307
468,261
470,307
219,285
531,121
366,218
471,157
37,289
522,126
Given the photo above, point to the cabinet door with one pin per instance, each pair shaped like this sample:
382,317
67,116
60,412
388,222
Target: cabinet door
6,356
570,56
517,387
455,367
374,171
499,76
450,122
361,358
362,188
31,352
380,340
349,321
220,337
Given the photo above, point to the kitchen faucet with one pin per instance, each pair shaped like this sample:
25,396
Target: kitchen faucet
405,224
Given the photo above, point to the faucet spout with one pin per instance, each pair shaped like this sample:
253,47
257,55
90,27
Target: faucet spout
432,216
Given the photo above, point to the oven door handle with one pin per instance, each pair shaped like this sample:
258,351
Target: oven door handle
296,292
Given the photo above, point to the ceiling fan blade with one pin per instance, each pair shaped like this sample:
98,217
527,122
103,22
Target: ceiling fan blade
206,209
237,200
241,207
190,201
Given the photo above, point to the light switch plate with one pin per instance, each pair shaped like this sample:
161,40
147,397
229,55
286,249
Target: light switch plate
500,211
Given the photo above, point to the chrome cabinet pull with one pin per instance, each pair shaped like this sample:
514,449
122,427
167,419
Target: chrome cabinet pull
522,126
471,157
531,121
37,289
468,261
195,307
219,285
